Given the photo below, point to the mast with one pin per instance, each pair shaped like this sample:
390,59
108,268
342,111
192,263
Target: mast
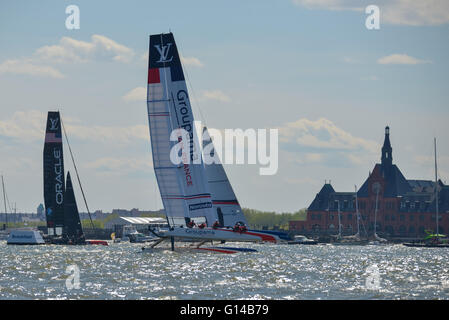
339,220
436,183
357,211
375,213
4,200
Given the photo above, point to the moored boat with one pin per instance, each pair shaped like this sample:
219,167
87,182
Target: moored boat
433,240
25,237
300,239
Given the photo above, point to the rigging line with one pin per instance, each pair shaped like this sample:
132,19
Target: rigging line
7,202
4,200
77,175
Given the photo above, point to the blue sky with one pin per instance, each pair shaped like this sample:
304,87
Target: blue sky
309,68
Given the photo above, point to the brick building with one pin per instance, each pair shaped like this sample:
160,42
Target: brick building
405,208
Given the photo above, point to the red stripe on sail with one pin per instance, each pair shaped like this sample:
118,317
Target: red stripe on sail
235,203
153,75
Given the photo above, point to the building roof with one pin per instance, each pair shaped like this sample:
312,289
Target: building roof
395,182
394,185
422,185
327,198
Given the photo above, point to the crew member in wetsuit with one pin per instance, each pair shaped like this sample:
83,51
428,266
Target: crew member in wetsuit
190,224
216,225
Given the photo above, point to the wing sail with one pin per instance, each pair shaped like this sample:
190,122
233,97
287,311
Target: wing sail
224,201
184,190
54,185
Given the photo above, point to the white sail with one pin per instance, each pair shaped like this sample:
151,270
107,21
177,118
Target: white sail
184,190
224,201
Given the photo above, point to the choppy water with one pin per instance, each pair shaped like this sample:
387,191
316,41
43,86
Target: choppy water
122,271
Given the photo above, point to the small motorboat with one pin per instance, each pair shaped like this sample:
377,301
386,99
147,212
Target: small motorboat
300,239
25,237
137,237
431,241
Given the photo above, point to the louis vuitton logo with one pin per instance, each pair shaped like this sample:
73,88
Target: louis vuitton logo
54,124
163,51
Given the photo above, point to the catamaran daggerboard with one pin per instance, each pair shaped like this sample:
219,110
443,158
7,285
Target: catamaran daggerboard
189,191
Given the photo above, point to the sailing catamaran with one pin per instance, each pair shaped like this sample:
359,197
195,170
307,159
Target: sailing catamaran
61,211
188,193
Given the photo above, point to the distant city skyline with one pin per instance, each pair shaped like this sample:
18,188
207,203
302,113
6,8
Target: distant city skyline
310,69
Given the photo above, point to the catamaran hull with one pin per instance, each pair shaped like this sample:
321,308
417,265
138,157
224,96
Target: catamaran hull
220,234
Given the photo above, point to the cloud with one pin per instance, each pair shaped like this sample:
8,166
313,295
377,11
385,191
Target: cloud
401,59
30,126
27,67
70,50
108,134
350,60
416,13
322,134
321,144
397,12
303,180
120,166
136,94
335,5
217,95
24,125
191,61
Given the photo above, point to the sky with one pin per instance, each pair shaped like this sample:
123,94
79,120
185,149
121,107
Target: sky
311,69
